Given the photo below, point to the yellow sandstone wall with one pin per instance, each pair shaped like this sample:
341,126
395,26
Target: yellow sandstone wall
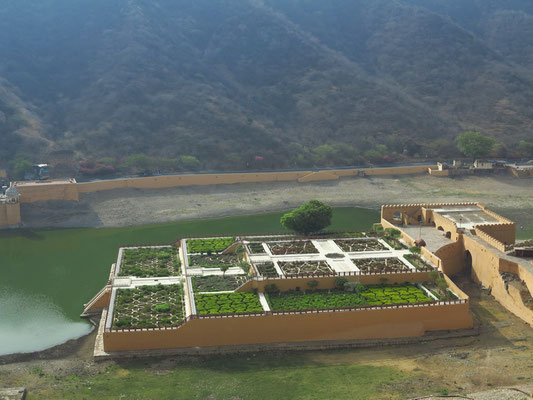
504,232
9,215
348,325
486,267
47,190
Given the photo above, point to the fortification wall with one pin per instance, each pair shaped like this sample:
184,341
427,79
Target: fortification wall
405,321
9,215
31,192
451,258
486,264
498,235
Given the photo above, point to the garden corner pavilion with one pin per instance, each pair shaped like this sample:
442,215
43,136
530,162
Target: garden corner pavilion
467,236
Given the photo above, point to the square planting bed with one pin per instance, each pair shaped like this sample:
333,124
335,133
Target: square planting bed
148,307
292,247
214,245
227,303
369,295
351,245
217,283
304,267
150,262
376,265
266,269
256,248
213,260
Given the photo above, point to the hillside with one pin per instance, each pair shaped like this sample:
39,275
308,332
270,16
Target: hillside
295,82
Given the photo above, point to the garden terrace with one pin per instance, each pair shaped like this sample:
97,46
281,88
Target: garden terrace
375,265
213,260
292,247
227,303
304,267
266,269
354,245
144,262
256,248
217,283
148,307
372,295
210,245
441,294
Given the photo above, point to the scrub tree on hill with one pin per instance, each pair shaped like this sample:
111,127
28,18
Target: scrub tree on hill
474,144
310,217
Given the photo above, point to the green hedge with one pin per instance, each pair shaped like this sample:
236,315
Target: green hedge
217,283
227,303
214,245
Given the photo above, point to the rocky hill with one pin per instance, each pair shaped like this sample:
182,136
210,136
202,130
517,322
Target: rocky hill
271,84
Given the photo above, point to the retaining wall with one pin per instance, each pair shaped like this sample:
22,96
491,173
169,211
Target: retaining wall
403,321
9,215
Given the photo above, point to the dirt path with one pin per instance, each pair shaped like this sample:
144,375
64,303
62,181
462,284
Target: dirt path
125,207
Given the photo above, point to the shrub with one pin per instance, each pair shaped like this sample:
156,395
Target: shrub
340,282
312,216
160,308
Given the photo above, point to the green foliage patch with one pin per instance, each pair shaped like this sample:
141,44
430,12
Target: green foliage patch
369,295
214,245
150,262
312,216
217,283
256,248
148,307
266,269
227,303
213,260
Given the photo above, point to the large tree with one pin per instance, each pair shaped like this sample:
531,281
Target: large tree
312,216
474,144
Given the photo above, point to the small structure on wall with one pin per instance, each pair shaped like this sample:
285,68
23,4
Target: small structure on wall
10,208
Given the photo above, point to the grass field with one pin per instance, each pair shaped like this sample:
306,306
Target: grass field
253,376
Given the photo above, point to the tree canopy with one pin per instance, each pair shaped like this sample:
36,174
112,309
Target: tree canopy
312,216
474,144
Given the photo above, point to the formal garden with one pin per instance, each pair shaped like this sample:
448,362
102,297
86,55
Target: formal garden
213,260
256,248
292,247
208,246
351,296
227,303
304,267
377,265
146,262
217,283
266,269
355,245
148,307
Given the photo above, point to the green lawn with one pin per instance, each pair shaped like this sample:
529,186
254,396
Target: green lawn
69,266
252,376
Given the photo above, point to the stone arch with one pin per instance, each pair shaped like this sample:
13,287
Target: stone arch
468,262
448,235
440,228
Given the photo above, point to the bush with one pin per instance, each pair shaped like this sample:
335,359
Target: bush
310,217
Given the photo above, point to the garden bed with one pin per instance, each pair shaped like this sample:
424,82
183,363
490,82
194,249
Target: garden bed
369,295
217,283
266,269
416,261
148,307
256,248
207,246
213,260
304,267
292,247
227,303
376,265
352,245
146,262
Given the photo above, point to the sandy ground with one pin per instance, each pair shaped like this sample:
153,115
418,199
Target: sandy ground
500,356
125,207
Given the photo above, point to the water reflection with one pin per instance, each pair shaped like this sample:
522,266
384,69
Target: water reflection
31,323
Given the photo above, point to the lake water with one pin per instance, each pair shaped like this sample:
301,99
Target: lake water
47,275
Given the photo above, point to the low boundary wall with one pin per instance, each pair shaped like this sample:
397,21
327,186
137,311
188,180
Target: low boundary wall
70,189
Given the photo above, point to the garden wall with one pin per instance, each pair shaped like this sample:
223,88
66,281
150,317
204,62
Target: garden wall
451,258
504,233
403,321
